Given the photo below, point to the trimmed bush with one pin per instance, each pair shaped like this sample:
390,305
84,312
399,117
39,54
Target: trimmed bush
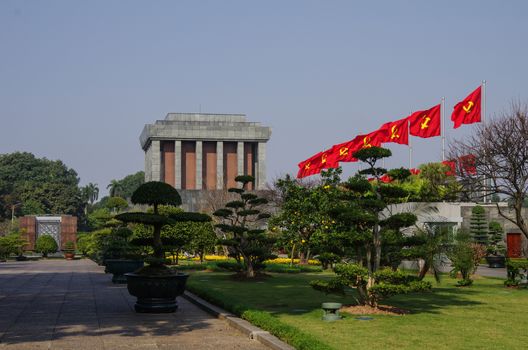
46,245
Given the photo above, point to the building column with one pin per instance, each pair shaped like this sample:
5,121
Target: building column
240,158
177,165
199,156
219,165
261,166
155,160
148,169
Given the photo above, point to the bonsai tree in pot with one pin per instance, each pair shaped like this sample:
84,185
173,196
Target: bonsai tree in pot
69,250
120,255
496,247
155,285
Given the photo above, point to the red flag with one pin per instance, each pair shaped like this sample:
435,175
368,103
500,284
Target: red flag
467,111
315,164
397,132
426,123
452,167
467,164
343,152
373,139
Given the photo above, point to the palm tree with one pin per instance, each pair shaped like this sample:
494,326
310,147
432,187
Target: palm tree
89,195
115,187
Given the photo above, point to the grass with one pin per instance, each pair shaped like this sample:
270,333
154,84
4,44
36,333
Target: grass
484,316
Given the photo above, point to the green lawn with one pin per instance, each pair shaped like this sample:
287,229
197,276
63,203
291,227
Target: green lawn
484,316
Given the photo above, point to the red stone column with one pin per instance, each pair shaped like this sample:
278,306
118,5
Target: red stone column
209,165
188,165
230,164
167,162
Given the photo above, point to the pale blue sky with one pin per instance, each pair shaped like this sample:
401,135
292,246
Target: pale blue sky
79,79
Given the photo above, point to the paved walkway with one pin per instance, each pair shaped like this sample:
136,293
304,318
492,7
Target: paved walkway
59,304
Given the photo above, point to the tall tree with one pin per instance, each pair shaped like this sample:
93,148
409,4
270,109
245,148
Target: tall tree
500,150
33,185
126,186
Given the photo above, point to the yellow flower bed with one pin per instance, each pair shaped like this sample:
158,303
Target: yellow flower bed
271,261
288,260
212,258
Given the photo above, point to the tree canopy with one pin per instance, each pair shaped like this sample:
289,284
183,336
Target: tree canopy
37,186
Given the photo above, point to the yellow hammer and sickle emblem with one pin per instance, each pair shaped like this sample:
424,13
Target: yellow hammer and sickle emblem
425,123
307,166
366,142
394,132
470,105
343,151
323,158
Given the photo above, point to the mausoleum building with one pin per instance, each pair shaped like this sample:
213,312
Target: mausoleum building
196,151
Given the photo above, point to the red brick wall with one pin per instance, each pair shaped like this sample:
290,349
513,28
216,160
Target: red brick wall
28,227
68,229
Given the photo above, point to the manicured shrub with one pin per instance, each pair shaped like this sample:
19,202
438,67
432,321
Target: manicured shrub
46,245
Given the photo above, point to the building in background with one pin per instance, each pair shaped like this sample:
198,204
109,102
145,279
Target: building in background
199,153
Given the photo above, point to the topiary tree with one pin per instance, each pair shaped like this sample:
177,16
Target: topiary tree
45,245
496,244
362,210
242,222
478,225
158,194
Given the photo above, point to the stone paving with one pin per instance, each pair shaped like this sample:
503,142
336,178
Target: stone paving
59,304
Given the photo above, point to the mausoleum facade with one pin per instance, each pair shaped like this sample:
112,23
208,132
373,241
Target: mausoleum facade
195,151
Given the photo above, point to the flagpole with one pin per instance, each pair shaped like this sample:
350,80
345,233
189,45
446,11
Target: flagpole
442,127
483,101
410,146
483,117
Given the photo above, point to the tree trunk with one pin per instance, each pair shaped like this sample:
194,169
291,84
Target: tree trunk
158,247
302,258
292,255
362,294
377,248
423,270
177,256
201,256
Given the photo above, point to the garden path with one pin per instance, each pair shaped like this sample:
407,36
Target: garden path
58,304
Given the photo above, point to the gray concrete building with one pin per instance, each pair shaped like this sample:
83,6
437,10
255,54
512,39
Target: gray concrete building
196,151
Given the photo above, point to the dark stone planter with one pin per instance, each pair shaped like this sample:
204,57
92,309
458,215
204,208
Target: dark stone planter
118,267
156,294
21,258
496,261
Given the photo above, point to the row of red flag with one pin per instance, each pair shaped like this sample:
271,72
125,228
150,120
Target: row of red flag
426,123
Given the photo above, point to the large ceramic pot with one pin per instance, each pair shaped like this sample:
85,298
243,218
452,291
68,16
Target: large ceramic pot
118,267
156,294
69,255
496,261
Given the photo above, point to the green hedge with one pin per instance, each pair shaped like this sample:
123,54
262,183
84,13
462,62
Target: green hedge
266,321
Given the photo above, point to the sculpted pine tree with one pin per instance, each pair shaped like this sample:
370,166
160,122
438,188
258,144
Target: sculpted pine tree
242,224
362,209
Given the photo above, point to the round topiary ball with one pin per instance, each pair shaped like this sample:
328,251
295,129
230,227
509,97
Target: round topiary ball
156,193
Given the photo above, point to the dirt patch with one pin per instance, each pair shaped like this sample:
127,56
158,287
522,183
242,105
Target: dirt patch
369,310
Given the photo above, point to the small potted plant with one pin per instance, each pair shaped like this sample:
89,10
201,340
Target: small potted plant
120,256
496,247
156,285
69,250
